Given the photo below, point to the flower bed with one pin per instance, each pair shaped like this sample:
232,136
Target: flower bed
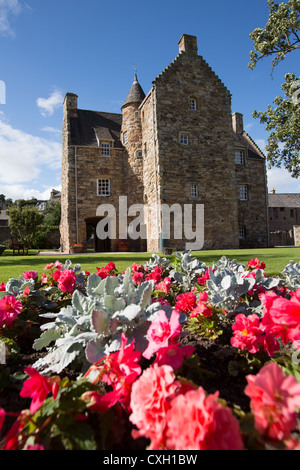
112,361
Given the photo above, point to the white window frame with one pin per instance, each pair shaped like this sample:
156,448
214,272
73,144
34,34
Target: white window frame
103,187
184,138
125,138
239,157
193,104
105,148
242,232
243,192
193,191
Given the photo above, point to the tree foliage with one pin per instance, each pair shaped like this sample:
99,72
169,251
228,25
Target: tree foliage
25,223
280,36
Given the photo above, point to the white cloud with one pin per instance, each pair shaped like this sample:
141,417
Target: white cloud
8,10
23,156
19,191
280,179
49,105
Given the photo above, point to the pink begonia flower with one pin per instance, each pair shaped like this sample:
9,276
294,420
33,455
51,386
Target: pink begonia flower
67,281
10,308
35,447
173,355
196,421
186,302
275,399
161,332
150,401
138,277
30,275
2,417
164,285
281,317
119,370
203,278
155,275
58,265
2,286
26,291
255,263
49,266
36,387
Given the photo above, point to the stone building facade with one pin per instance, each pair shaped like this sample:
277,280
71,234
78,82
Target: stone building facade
284,216
178,152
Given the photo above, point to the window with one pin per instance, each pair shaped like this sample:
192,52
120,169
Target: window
103,187
105,148
193,190
125,138
140,154
239,157
193,104
184,139
243,192
292,212
242,231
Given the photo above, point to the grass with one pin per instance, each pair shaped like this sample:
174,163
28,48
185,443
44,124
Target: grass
11,266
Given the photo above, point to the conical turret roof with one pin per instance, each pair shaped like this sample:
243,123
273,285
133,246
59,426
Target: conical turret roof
136,93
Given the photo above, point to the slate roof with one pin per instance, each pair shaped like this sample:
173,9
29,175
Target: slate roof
136,93
284,200
92,124
244,140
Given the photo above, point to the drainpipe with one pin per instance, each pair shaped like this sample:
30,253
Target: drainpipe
155,170
76,205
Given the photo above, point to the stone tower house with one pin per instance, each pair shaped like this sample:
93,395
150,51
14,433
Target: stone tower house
177,147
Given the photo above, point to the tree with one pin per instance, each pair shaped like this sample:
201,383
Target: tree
52,213
280,36
24,223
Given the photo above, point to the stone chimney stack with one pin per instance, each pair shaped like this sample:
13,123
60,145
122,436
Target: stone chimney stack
70,104
188,43
237,123
272,191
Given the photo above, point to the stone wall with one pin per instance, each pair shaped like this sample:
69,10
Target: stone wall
296,230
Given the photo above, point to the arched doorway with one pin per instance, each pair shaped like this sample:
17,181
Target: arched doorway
99,246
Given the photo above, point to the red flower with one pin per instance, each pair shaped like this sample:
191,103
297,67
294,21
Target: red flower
37,388
255,263
30,275
2,287
186,302
67,281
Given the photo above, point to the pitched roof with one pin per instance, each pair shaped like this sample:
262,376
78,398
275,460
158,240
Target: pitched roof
244,140
284,200
136,93
89,126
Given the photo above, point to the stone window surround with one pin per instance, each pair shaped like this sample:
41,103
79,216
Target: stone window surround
105,148
103,187
243,192
125,138
239,156
193,103
193,190
139,153
242,231
184,138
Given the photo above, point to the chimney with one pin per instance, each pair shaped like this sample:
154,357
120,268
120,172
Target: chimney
70,104
237,123
272,191
188,43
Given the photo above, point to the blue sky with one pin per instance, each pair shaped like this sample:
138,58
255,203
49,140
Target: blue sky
51,47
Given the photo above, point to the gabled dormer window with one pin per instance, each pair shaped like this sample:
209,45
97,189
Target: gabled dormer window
105,148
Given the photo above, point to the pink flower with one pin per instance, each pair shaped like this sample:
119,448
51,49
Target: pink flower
161,332
10,308
67,281
275,399
155,275
138,277
203,278
30,275
49,266
35,447
173,355
2,287
164,285
119,370
150,401
255,263
199,422
26,291
202,306
2,418
186,302
247,333
36,387
282,316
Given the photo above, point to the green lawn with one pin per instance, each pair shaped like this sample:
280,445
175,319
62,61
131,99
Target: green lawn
11,266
